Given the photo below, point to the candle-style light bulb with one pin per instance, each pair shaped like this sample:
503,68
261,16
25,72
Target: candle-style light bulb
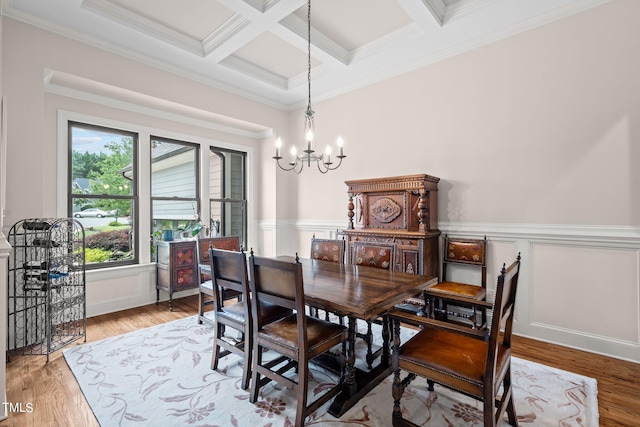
278,146
340,143
294,155
328,151
309,136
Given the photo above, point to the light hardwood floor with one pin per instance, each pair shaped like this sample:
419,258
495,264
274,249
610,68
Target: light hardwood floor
52,391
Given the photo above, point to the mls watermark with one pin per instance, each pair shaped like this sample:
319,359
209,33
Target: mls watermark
18,407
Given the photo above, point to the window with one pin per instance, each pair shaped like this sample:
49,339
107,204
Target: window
102,192
227,193
175,189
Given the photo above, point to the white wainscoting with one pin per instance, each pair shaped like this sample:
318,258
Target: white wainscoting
579,285
121,288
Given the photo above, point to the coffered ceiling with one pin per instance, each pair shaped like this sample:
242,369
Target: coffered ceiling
258,48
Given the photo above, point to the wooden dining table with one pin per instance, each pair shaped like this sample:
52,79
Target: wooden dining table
358,292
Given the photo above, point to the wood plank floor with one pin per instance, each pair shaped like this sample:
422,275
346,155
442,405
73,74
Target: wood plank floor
52,392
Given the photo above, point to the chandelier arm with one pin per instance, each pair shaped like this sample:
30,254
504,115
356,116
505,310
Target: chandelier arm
293,164
320,164
328,166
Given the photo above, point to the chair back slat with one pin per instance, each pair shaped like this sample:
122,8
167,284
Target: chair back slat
327,249
228,271
472,252
370,254
228,243
277,282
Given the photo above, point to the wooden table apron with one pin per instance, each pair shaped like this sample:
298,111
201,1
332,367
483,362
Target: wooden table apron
358,292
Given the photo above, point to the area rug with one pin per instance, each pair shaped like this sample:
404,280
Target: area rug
161,376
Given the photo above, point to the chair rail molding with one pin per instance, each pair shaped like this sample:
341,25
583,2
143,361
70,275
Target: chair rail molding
590,234
593,254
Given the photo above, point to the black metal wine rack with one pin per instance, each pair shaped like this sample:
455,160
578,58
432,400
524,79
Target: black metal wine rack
46,292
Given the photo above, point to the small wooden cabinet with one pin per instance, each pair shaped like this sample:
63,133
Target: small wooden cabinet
399,210
176,267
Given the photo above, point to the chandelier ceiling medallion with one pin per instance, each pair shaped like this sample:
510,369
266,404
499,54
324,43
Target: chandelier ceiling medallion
308,154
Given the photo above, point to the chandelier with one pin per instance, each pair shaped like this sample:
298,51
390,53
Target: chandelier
308,153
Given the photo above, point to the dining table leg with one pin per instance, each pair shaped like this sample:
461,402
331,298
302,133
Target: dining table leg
356,383
386,340
349,380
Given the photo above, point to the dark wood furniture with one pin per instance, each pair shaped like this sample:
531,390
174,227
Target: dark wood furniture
229,273
298,338
331,250
205,294
176,268
445,294
228,270
375,255
227,243
474,362
358,292
327,249
401,211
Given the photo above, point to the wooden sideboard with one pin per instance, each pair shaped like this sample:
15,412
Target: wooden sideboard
176,267
400,210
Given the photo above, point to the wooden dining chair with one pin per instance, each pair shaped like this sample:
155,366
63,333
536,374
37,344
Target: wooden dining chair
373,254
376,255
229,273
448,299
474,362
330,250
327,249
297,338
205,296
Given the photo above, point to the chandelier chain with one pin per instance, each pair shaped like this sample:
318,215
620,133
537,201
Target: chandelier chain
309,53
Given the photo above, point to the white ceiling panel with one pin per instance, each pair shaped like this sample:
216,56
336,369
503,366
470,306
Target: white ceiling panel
258,48
178,15
355,23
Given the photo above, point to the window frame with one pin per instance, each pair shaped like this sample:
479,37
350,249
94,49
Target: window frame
244,238
133,196
198,178
146,258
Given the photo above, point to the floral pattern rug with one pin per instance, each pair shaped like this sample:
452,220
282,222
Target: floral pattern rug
161,376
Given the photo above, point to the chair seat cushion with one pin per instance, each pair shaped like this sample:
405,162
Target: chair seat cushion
321,334
461,289
206,287
234,312
449,353
270,312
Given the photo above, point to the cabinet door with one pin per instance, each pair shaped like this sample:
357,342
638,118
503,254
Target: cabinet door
184,255
185,277
408,259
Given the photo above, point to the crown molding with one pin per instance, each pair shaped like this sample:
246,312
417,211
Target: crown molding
76,87
153,28
259,73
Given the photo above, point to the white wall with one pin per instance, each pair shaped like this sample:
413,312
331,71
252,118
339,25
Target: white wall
548,119
534,139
